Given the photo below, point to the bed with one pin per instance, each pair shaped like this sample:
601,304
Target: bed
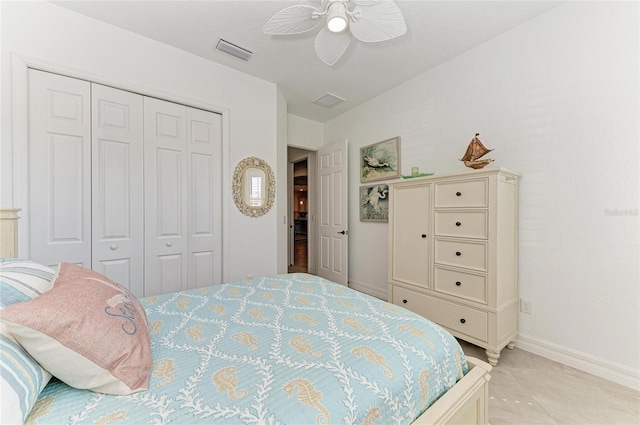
285,349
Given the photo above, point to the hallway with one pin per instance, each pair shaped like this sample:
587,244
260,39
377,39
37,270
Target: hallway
300,262
299,202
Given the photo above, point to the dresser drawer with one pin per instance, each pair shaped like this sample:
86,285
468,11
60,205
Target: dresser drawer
469,286
468,193
467,254
461,319
461,224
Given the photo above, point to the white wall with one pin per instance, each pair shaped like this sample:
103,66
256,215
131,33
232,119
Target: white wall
304,133
65,39
558,100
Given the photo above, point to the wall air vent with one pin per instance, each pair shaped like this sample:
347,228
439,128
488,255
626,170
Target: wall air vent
328,100
234,50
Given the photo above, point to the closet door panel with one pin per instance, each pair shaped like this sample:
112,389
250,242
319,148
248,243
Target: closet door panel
117,194
118,270
166,203
201,195
59,169
65,187
204,144
202,269
169,203
170,270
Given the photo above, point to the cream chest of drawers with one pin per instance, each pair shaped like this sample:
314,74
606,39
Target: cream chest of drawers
453,254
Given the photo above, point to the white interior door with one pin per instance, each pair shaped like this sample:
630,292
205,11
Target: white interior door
165,187
59,169
333,238
204,181
117,204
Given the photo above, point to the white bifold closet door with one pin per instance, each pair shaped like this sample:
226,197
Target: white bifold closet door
182,197
124,184
117,201
59,169
204,180
85,178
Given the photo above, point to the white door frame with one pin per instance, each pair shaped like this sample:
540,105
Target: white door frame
290,235
311,209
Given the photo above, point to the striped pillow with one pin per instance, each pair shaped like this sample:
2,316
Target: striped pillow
21,378
22,281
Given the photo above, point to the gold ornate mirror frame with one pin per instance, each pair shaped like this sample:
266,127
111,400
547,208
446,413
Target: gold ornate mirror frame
253,187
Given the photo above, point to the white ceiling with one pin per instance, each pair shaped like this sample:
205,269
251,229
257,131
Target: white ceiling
437,32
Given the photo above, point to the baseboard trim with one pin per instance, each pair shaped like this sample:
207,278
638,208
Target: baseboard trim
369,290
614,372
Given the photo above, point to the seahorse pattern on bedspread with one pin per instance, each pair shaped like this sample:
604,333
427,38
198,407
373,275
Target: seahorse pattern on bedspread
285,349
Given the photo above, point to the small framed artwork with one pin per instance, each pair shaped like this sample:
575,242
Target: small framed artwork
374,203
380,161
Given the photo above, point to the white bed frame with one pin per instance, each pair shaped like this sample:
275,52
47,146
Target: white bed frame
467,402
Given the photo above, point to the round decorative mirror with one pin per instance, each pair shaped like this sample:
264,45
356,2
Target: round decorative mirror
254,187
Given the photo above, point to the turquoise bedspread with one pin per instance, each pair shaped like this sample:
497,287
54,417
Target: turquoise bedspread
285,349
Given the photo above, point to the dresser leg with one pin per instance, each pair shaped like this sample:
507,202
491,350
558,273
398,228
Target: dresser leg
492,357
512,344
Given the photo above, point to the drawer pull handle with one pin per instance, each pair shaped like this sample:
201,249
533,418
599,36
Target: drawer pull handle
424,235
113,247
458,283
458,193
458,253
458,224
169,244
462,321
404,301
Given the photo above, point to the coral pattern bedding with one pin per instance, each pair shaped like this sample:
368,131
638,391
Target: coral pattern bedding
285,349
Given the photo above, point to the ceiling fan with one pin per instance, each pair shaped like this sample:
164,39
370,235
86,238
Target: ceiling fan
367,20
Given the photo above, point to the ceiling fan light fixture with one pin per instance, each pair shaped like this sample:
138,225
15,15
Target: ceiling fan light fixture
337,17
369,21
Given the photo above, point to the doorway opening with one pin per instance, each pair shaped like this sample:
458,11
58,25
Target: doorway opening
300,207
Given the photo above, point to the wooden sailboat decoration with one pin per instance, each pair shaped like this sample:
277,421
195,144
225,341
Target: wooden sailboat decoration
475,151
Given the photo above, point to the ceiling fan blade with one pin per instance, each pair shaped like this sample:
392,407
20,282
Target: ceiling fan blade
379,22
292,20
330,46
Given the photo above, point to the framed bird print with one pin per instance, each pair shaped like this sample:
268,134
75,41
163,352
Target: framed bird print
380,161
374,203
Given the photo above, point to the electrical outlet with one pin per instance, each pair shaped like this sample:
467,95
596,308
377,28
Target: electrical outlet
525,306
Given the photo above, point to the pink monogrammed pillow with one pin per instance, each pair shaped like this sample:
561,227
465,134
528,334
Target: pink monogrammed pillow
88,331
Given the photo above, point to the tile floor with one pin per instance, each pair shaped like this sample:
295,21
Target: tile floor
528,389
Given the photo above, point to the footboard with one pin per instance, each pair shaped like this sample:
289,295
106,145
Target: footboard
466,403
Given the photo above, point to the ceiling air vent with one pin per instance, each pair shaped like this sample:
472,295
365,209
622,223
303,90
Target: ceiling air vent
234,50
328,100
